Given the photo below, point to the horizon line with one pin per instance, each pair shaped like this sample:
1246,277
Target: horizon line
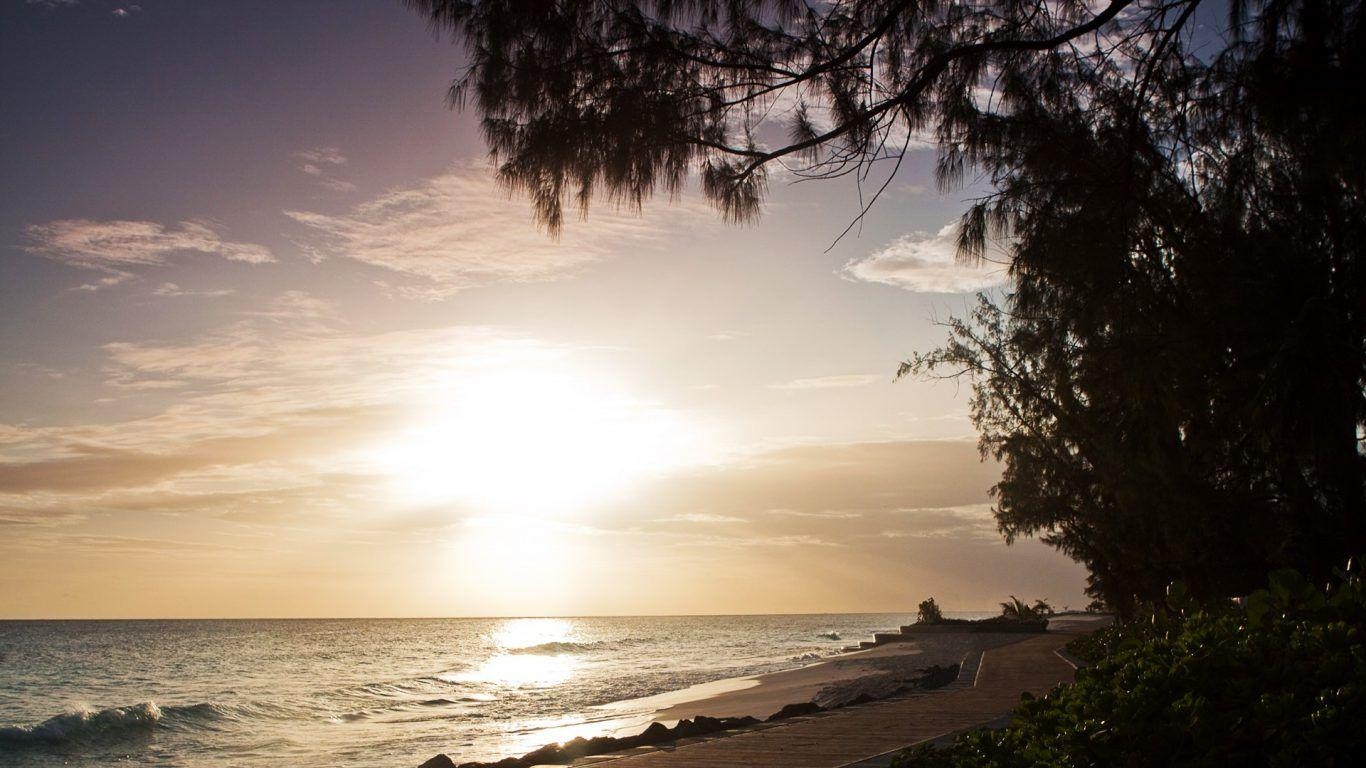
473,618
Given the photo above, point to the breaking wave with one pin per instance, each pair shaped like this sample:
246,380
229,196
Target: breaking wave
86,724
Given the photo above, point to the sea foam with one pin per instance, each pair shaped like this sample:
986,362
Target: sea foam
86,724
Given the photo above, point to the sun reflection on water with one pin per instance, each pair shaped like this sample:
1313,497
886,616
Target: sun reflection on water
527,655
526,671
515,634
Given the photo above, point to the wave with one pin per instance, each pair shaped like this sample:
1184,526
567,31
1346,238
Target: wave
563,646
207,714
569,646
86,724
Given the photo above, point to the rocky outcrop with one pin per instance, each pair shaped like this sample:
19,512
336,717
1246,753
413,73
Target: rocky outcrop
563,754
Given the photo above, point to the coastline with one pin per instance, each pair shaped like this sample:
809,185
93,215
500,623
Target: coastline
707,709
830,682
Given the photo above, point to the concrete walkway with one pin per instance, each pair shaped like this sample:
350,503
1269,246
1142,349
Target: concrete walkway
868,734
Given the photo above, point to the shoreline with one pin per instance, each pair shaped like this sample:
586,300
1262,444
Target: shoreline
708,709
830,682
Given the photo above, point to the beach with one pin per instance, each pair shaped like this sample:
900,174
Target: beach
828,682
885,676
321,693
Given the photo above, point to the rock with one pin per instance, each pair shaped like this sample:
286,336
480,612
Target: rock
938,677
796,710
602,745
655,733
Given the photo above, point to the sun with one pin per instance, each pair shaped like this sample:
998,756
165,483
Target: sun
531,438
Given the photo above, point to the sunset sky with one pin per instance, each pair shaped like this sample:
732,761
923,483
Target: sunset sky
275,344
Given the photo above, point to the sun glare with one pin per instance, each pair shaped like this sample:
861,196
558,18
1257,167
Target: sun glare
527,656
531,439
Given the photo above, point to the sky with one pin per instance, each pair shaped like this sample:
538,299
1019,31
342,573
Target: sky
275,343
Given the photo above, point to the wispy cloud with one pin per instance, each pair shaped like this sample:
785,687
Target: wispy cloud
116,277
116,247
459,230
319,156
925,263
286,397
701,517
963,522
320,163
832,382
826,514
171,289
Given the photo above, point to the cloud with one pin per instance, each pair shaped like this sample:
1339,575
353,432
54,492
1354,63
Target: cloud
115,246
288,396
38,518
86,467
701,517
832,382
124,13
827,514
840,492
459,230
171,289
317,161
312,158
115,278
964,522
925,263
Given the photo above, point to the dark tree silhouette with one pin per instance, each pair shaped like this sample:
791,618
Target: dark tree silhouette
587,98
1175,384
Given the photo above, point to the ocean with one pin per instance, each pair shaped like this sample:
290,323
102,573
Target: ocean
366,692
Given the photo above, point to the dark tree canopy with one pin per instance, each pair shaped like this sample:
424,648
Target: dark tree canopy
617,99
1175,381
1175,385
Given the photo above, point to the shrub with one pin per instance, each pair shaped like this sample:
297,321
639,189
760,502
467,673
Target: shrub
1279,680
929,613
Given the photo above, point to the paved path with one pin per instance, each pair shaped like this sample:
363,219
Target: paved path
860,734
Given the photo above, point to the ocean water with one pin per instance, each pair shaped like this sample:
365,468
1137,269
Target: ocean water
365,692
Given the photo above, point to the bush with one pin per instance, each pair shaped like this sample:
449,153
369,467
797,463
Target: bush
1278,681
929,613
1016,609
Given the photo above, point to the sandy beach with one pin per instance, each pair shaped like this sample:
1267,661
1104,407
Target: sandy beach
876,672
997,667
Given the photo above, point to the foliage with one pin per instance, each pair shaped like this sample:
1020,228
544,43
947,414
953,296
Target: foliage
1175,383
929,613
582,99
1278,681
1016,609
